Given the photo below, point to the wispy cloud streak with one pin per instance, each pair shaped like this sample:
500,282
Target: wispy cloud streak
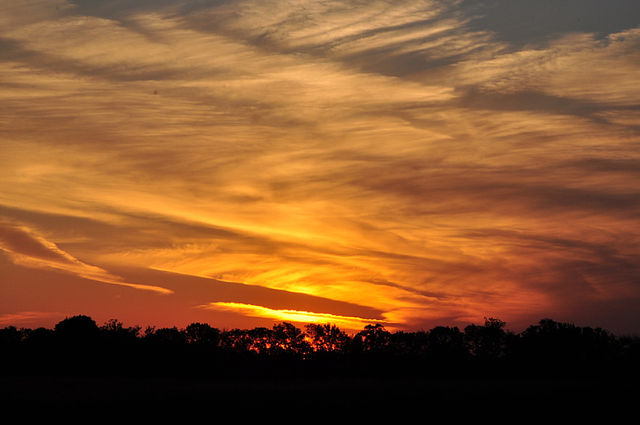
292,315
27,248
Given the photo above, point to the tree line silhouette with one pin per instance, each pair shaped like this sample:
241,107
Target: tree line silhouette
78,346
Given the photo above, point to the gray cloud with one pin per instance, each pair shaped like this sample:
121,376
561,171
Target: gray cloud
522,21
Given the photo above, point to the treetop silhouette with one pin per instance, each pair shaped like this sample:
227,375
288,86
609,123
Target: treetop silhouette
78,344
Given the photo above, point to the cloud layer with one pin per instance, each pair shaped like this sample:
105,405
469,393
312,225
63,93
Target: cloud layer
433,161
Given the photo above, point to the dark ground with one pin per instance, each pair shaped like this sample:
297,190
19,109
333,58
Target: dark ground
552,372
457,398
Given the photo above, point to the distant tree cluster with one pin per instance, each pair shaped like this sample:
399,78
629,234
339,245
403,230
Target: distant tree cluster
77,345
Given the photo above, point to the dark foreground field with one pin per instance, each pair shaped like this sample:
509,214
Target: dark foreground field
456,398
549,371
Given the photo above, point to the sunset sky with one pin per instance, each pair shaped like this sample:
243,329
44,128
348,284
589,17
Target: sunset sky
411,163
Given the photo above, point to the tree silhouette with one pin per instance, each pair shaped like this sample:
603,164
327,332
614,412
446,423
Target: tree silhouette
553,346
78,346
445,344
203,334
10,337
77,330
326,337
114,333
374,338
39,337
235,340
167,336
486,342
286,337
260,340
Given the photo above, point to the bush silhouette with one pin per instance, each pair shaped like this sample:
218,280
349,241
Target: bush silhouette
79,330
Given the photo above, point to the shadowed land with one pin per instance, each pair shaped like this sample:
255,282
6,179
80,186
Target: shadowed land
551,365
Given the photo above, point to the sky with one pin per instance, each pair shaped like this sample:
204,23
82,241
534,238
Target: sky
412,163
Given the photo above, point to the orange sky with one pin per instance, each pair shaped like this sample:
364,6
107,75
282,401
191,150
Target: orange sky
411,163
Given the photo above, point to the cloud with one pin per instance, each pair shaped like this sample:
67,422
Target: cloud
419,159
11,319
27,248
556,69
346,322
521,21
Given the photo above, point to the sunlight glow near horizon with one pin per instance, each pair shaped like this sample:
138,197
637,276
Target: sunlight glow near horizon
345,322
416,162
